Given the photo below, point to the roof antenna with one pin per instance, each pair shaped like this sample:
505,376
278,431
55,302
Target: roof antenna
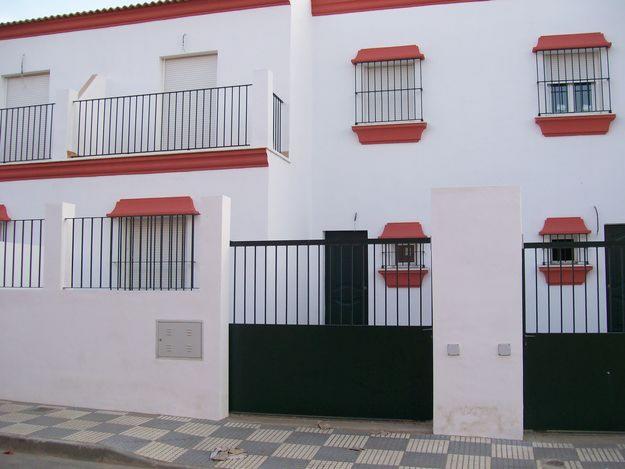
184,40
596,218
355,219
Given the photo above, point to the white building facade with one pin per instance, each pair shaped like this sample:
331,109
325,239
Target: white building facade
314,117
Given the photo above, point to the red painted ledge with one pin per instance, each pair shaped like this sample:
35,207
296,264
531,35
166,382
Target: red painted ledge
571,41
562,126
334,7
128,15
152,206
403,278
389,133
568,275
152,164
378,54
564,225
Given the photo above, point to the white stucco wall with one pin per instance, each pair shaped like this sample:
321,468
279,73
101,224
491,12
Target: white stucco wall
477,305
97,348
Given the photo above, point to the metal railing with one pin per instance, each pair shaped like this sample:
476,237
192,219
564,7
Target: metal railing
278,106
573,81
158,122
580,295
21,253
388,91
132,253
26,133
327,282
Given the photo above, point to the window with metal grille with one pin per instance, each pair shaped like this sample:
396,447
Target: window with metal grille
573,81
403,255
388,91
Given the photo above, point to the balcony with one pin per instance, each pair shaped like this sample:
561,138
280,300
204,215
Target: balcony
226,127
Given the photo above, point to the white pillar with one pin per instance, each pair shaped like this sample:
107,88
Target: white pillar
64,125
477,295
261,110
56,245
213,278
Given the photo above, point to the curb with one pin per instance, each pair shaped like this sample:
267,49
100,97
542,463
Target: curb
81,451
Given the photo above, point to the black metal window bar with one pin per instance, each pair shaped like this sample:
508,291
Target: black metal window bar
388,91
573,81
133,253
26,133
403,255
159,122
278,106
565,255
585,307
21,253
324,282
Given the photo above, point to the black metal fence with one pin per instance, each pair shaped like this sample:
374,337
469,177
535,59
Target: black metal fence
278,106
133,253
26,133
157,122
21,253
388,91
332,282
574,287
573,81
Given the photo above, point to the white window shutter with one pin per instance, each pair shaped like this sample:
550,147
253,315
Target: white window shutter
28,90
189,73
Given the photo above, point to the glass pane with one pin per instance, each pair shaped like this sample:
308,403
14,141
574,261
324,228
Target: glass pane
559,98
583,101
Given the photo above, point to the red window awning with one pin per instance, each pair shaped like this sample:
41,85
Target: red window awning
403,230
571,41
381,54
154,206
4,216
564,225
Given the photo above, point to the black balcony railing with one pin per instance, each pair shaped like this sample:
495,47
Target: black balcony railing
278,106
158,122
26,133
132,253
21,253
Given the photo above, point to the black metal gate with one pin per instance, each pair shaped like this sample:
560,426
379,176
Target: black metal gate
333,327
574,356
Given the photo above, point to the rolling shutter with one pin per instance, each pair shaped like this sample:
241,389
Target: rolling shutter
189,73
28,90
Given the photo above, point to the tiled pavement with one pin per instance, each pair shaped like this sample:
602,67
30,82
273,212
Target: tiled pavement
235,444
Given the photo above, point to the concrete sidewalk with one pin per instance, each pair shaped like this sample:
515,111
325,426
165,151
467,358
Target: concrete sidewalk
169,441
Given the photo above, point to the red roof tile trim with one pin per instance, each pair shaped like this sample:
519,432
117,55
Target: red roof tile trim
140,13
571,41
388,53
4,216
403,230
334,7
564,225
154,206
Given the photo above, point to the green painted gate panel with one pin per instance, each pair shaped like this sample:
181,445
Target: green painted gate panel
341,371
575,382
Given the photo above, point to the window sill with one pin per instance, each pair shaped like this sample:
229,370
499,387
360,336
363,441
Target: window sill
403,278
389,133
567,275
561,126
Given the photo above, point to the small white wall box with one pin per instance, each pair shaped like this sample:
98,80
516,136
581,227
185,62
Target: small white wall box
453,350
179,339
504,350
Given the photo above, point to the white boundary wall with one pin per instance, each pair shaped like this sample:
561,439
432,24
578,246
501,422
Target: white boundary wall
476,247
98,348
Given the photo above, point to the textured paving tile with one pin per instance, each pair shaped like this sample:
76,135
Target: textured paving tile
467,461
347,441
304,438
163,424
184,440
512,452
194,457
77,424
379,457
259,447
233,432
52,433
129,420
423,460
160,451
212,443
17,417
249,462
469,448
296,451
599,455
88,436
197,429
242,425
325,431
283,463
46,421
110,427
68,414
21,429
336,454
498,463
11,407
428,446
555,453
123,442
146,433
269,435
320,464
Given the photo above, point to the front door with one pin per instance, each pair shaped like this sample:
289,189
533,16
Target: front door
615,278
346,279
